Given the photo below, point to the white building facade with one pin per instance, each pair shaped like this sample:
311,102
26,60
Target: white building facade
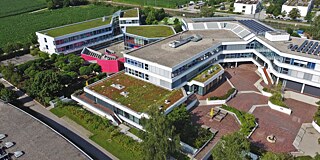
304,7
246,6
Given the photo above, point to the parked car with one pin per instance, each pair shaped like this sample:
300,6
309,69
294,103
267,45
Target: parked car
18,154
8,144
2,136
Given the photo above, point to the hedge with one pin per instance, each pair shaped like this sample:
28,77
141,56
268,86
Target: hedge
247,120
230,91
277,99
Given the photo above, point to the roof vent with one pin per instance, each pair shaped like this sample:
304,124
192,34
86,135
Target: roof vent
103,18
182,41
124,93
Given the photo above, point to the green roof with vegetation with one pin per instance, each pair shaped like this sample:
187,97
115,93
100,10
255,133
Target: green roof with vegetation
60,31
130,13
140,95
205,75
150,31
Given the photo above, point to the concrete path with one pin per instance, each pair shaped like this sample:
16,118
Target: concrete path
78,138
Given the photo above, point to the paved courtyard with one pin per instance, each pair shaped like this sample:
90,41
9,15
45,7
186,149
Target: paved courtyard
221,90
243,77
245,101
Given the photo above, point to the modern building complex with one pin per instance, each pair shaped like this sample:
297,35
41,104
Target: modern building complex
137,36
168,71
247,6
129,18
304,6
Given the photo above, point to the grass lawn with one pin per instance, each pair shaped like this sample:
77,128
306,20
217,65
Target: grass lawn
150,31
141,94
77,27
130,13
158,3
103,138
205,75
13,7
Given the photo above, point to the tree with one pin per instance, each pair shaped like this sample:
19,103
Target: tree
315,29
151,17
294,13
283,13
276,156
159,140
309,17
232,146
207,12
85,70
289,30
8,95
95,67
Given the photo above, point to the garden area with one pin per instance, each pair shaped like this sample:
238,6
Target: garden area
207,73
150,31
48,78
276,97
247,120
158,3
316,117
104,134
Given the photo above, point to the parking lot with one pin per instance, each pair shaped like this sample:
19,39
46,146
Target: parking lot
36,140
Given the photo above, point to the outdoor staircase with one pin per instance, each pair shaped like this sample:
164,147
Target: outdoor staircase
267,75
116,119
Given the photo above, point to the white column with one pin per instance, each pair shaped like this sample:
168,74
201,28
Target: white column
302,89
236,64
277,81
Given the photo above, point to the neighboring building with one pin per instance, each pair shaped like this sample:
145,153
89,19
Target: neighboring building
109,62
172,69
129,18
247,6
304,6
137,36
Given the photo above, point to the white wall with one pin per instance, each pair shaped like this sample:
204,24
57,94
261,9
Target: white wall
49,43
278,37
303,9
247,8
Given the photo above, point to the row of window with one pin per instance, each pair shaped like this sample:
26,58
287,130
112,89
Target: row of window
137,63
129,22
82,36
84,43
137,73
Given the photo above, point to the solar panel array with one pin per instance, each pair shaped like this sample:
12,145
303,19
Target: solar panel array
255,26
306,47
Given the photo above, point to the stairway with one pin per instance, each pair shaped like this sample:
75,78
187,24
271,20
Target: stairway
116,119
267,75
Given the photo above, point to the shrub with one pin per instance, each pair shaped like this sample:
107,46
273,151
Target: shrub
230,91
277,99
247,120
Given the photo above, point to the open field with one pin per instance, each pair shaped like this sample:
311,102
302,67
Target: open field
19,28
158,3
13,7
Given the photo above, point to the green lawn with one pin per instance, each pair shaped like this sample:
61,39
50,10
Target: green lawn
77,27
205,75
158,3
141,94
131,13
150,31
13,7
19,28
93,123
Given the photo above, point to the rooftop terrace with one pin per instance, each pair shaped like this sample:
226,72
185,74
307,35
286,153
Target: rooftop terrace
130,13
165,55
208,73
76,27
150,31
140,94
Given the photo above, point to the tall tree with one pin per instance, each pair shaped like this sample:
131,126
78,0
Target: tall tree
159,140
276,156
232,146
294,13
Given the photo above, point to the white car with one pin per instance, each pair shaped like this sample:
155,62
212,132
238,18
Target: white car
2,136
18,154
8,144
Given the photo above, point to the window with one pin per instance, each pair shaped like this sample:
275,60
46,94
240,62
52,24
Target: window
147,77
244,7
146,66
47,47
45,40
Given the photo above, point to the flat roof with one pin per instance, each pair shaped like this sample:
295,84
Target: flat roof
76,27
140,95
161,53
130,13
33,138
282,46
297,3
154,31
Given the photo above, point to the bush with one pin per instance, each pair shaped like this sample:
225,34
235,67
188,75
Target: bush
247,120
277,99
224,97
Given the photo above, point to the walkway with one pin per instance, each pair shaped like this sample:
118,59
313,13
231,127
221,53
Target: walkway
60,125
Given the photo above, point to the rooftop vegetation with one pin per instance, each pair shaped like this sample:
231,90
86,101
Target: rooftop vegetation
60,31
130,13
140,95
150,31
208,73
